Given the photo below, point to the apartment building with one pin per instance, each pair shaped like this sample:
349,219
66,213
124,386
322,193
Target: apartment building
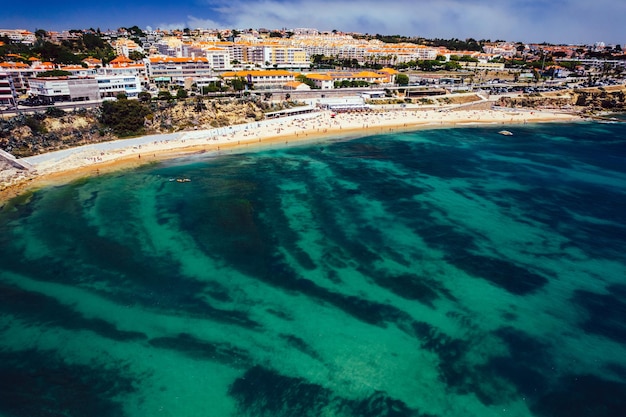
7,92
126,67
170,46
113,85
168,69
19,35
19,73
279,56
65,88
218,58
123,47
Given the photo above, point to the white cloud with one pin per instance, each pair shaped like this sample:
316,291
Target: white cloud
523,20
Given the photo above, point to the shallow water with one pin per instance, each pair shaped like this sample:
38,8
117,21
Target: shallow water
450,272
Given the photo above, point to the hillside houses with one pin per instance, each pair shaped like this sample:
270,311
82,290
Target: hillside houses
263,59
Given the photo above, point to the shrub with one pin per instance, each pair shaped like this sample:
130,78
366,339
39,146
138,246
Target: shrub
124,117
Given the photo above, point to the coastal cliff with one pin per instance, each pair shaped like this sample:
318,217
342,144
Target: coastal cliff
586,101
53,129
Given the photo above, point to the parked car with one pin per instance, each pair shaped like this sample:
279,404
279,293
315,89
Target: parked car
35,101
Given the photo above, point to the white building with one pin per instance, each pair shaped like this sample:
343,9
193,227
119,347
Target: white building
263,79
7,92
65,88
112,85
285,57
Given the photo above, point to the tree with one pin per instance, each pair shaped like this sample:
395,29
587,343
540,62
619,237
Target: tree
181,94
165,95
136,55
303,79
144,97
54,73
124,117
238,83
402,79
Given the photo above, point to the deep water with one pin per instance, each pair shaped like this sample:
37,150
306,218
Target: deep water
448,273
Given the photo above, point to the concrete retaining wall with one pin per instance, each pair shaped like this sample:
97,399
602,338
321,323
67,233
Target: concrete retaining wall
17,163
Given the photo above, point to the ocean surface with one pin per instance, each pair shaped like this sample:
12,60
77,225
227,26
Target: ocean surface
445,272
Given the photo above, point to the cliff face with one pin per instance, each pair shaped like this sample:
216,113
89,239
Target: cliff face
590,100
203,114
26,135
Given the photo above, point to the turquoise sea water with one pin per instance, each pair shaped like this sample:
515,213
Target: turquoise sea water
449,272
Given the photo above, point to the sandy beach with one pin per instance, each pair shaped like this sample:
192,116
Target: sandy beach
69,164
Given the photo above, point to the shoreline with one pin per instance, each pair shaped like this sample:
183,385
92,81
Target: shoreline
60,167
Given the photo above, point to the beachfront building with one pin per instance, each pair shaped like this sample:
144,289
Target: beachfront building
113,85
263,79
7,91
370,77
296,86
343,104
322,81
67,88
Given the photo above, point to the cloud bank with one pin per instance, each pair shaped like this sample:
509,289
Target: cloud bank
557,21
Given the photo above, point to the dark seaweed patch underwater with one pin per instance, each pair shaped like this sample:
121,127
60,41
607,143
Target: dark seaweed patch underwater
450,272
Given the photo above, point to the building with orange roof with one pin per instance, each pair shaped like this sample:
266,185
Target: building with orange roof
78,70
19,74
328,79
296,86
121,60
322,81
263,79
92,62
122,66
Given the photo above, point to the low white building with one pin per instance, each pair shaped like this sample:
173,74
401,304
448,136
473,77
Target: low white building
263,79
112,85
65,88
322,81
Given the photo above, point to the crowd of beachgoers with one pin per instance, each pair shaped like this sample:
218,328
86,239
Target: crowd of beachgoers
101,157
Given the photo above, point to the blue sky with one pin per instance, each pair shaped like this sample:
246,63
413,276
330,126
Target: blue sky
554,21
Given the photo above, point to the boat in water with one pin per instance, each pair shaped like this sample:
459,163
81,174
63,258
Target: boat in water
505,133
